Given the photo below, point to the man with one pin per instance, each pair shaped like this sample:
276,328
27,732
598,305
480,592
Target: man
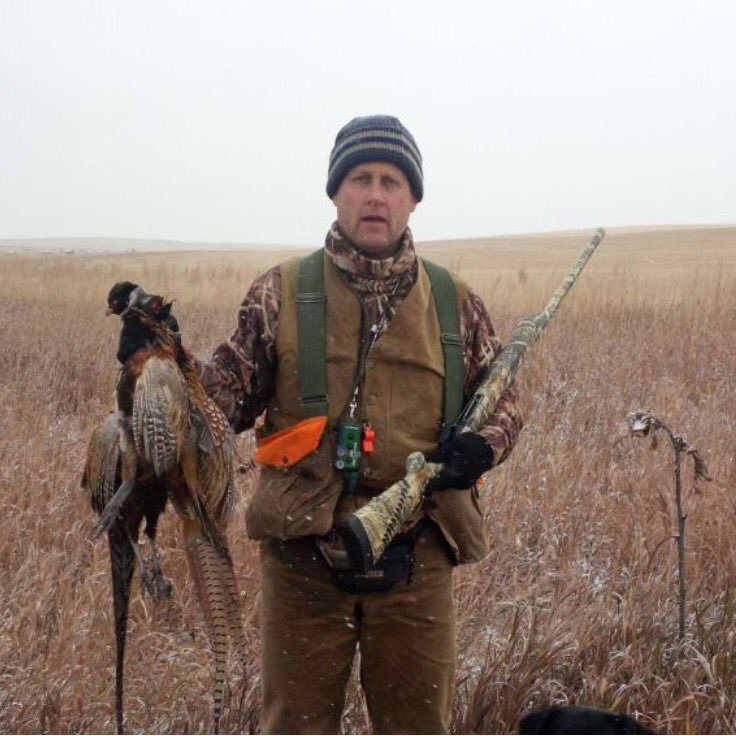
384,361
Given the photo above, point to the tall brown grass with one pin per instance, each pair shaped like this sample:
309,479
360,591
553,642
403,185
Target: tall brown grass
577,601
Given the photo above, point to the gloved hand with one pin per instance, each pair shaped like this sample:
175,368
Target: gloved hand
465,456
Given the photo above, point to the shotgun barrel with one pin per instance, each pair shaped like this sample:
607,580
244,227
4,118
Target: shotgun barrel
367,532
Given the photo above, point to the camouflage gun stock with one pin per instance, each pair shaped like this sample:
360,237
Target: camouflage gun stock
367,532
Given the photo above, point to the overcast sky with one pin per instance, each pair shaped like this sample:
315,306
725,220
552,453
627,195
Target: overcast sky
213,121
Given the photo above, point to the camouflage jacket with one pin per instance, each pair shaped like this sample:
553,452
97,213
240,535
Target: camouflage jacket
240,374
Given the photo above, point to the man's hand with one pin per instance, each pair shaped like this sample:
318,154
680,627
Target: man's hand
466,457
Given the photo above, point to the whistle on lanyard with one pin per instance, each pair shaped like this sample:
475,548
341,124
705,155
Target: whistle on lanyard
369,438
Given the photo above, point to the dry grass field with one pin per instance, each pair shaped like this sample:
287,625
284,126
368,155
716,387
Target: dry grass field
577,602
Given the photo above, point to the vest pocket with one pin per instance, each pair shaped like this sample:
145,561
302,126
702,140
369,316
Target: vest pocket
298,501
458,515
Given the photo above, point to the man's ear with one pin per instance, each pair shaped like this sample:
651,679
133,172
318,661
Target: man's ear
414,204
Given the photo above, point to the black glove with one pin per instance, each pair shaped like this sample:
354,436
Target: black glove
465,456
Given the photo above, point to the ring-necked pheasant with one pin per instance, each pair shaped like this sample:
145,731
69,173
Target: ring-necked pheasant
102,477
171,434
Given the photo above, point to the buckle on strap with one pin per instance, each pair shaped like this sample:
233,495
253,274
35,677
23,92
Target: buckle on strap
318,398
308,297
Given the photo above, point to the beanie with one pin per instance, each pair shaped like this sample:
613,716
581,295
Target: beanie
375,138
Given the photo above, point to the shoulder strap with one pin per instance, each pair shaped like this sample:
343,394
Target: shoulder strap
310,304
312,347
445,301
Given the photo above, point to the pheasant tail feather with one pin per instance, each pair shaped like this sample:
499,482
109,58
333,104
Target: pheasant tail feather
121,563
234,611
205,564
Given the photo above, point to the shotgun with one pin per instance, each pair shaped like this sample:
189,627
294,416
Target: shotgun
367,532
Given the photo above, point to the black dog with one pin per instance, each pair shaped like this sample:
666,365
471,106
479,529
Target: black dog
575,719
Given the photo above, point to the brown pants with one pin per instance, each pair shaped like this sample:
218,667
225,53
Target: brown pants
310,630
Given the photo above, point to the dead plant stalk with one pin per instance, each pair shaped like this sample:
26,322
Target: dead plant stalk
643,423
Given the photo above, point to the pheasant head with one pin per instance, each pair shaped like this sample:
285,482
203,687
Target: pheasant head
119,296
151,306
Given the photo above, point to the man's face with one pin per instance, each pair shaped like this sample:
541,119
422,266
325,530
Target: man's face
373,203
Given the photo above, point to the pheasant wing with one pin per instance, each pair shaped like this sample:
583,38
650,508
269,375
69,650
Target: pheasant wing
100,478
160,414
215,466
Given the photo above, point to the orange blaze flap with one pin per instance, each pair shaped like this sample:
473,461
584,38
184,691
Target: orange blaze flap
288,446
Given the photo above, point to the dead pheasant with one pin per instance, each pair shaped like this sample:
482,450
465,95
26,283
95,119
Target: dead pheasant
171,432
102,476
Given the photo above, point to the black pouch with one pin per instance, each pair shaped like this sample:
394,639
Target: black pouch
397,563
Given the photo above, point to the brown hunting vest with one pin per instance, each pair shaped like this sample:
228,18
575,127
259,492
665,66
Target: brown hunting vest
402,399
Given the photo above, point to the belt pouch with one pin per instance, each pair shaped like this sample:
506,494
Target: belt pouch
396,564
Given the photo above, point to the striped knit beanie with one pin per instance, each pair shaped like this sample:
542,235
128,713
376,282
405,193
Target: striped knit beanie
375,138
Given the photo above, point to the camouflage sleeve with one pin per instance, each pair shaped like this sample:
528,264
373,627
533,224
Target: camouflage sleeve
480,348
240,374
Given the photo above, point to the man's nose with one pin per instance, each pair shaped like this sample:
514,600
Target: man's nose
376,192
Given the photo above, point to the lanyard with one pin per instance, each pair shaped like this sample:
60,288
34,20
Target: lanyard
366,345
